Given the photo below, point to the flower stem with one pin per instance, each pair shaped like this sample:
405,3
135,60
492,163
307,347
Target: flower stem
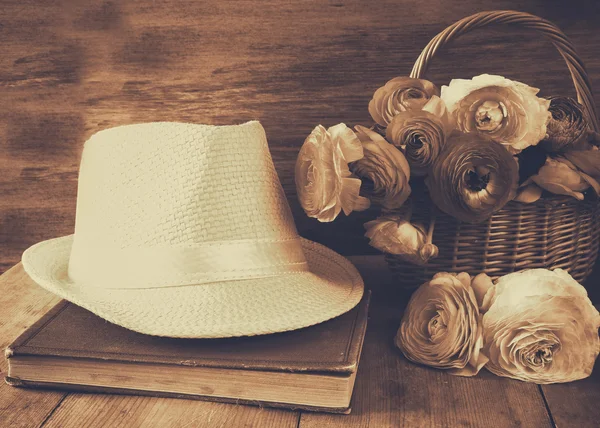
431,224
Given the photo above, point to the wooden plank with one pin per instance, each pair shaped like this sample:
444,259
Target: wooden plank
22,303
91,410
392,392
575,404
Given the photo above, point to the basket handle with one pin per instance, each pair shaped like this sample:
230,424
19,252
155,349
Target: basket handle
526,20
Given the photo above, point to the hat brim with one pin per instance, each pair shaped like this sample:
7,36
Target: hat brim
331,287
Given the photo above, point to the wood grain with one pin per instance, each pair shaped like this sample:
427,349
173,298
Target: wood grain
91,410
21,306
575,404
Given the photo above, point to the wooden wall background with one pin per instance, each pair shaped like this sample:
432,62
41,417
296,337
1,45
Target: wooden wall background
71,68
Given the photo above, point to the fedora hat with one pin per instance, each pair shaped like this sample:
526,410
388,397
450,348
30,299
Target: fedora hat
183,230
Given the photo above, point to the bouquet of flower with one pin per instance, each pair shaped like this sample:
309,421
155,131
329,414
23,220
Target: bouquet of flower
474,146
534,325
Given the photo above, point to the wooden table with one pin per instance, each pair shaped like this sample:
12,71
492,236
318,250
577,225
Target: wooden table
70,68
390,391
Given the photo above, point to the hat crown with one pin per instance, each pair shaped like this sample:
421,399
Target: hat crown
165,183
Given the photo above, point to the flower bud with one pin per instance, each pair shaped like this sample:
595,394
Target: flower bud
567,127
558,176
429,251
394,235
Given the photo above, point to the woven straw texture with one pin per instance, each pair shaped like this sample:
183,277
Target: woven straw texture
169,186
554,232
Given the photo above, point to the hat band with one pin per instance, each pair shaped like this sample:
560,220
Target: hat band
158,267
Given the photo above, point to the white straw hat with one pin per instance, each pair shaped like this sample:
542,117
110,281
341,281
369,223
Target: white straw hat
183,230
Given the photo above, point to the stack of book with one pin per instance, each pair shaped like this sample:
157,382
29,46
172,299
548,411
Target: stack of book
313,368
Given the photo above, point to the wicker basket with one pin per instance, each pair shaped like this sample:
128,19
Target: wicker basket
554,232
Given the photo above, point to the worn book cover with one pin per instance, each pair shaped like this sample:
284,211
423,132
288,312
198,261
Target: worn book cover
313,368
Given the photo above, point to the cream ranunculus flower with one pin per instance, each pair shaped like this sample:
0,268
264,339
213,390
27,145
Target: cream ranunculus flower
569,173
503,110
442,327
400,94
421,133
394,235
385,166
540,326
560,177
324,182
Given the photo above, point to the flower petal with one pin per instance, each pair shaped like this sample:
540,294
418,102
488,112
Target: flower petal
529,194
323,179
348,142
481,285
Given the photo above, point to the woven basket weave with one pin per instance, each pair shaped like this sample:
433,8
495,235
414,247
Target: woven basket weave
554,232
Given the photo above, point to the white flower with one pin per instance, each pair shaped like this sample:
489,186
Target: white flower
394,235
506,111
385,166
323,180
559,176
539,326
441,326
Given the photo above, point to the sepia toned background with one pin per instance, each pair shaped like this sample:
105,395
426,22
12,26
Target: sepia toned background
71,68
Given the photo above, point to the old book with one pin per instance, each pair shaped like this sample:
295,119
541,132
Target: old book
313,368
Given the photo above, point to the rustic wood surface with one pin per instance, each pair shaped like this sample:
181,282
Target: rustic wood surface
71,68
390,391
